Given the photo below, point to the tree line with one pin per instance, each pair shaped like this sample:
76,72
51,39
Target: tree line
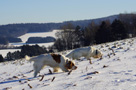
25,50
33,50
6,40
74,37
40,39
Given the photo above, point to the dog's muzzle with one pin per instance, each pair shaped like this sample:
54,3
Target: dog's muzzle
74,67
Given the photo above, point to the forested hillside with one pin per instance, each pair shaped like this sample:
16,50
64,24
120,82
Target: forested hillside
15,30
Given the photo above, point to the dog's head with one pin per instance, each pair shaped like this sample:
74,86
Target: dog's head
97,54
70,65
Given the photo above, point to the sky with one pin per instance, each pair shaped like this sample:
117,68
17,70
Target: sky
44,11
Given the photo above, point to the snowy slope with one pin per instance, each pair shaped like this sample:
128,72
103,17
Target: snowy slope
115,71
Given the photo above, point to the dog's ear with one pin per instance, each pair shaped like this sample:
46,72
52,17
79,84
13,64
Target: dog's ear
67,61
67,64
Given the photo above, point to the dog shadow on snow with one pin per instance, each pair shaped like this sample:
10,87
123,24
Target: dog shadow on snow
26,79
18,80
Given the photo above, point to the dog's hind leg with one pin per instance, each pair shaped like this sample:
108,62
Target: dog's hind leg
56,69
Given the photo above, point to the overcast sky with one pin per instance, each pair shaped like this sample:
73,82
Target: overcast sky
43,11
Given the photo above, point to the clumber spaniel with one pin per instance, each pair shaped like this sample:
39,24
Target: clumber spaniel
56,61
86,52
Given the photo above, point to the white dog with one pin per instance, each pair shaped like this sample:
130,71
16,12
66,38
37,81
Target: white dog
86,52
56,61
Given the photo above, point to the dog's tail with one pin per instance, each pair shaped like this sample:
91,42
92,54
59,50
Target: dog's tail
27,57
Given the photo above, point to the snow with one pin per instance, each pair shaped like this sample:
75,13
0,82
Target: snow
115,71
25,37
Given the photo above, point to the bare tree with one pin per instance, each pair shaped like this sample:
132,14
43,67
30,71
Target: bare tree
67,38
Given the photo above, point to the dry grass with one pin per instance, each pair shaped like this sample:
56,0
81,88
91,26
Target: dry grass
41,78
30,86
52,79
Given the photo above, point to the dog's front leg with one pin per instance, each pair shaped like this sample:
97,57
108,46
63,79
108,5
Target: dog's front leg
88,58
64,69
90,61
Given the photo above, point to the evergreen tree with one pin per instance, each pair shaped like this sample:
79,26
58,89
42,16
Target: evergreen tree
87,37
9,56
118,30
32,50
79,33
89,33
103,34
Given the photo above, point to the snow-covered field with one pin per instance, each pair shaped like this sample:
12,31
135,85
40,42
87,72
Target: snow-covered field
25,37
115,71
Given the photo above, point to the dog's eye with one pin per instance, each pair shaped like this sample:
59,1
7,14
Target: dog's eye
70,62
73,64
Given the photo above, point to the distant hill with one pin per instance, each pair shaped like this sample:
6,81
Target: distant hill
84,23
15,30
